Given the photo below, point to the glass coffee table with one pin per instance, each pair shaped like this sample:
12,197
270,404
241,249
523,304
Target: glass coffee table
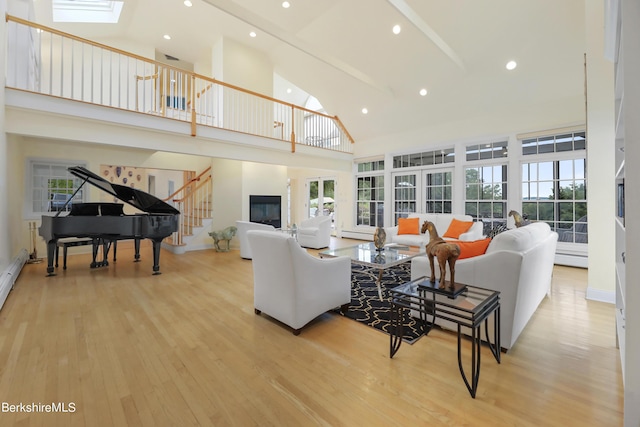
367,255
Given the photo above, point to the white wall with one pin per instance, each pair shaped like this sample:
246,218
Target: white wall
601,158
240,65
5,244
264,179
234,181
227,194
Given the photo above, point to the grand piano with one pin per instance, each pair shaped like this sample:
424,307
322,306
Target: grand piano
106,223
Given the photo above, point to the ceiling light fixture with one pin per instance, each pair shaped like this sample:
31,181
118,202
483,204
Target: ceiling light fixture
167,37
365,111
396,29
188,3
511,65
288,90
286,4
252,34
423,92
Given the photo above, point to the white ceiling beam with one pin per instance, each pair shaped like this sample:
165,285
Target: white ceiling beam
268,27
411,15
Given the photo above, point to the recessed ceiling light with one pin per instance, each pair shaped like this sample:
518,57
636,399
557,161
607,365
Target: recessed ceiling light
188,3
396,29
423,92
252,34
167,37
511,65
289,90
286,4
365,111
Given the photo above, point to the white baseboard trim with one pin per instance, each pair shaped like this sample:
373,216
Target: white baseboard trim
571,260
601,295
203,246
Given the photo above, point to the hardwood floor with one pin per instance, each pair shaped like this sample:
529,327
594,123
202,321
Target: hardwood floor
185,348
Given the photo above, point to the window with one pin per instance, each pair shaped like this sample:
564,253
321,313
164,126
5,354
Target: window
556,192
494,150
554,144
554,189
370,194
486,194
426,158
404,195
51,187
438,190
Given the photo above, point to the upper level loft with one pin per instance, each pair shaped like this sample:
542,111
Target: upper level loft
48,62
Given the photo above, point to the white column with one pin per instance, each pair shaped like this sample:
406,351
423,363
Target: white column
600,158
5,241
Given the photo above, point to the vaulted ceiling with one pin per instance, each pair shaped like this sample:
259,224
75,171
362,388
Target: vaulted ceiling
344,52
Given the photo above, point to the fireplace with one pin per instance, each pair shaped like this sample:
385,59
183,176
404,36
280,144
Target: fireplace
266,210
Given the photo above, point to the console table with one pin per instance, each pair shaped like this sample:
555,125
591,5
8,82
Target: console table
466,306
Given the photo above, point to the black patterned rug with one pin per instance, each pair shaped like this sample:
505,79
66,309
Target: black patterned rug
366,306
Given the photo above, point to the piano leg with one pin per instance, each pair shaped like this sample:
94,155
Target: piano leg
51,253
95,244
136,243
156,256
106,245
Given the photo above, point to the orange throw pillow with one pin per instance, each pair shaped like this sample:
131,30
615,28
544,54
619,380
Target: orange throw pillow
456,228
408,225
471,249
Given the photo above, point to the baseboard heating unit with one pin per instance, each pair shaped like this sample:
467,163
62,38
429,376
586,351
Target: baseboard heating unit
10,275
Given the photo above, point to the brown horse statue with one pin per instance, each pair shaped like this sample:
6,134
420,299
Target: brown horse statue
445,252
519,220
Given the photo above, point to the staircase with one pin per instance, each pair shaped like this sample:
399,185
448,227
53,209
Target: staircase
193,200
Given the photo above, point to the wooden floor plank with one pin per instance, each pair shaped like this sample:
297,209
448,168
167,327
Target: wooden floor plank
186,348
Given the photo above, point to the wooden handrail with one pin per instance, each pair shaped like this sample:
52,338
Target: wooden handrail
202,184
197,178
211,81
344,129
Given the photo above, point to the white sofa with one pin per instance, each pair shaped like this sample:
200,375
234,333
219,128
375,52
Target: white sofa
293,286
441,221
243,227
519,264
315,232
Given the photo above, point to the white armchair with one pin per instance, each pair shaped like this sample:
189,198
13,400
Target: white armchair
315,232
293,286
243,227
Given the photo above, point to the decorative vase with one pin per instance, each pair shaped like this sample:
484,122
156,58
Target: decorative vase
379,237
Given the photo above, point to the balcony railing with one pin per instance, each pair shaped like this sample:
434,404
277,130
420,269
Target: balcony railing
48,61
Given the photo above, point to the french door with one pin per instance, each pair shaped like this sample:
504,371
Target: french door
321,193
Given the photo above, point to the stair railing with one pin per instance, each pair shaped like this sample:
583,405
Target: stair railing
44,60
193,200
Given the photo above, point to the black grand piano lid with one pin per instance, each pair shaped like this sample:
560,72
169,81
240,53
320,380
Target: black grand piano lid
136,198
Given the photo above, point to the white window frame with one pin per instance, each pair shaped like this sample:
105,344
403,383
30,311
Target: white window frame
30,180
480,164
568,248
424,187
371,173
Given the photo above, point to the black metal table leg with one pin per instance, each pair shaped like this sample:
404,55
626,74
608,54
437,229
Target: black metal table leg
475,360
395,337
495,346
